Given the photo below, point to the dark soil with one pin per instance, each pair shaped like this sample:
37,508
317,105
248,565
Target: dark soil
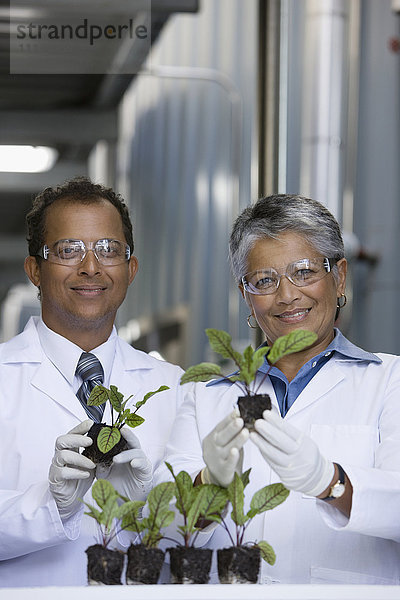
93,451
144,564
104,565
238,564
251,408
190,565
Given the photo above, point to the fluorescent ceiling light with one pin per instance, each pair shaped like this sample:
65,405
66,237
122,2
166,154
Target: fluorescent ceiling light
26,159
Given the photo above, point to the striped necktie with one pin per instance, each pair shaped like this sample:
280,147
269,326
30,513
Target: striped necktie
90,369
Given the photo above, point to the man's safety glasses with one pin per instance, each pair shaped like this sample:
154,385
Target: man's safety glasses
301,273
72,252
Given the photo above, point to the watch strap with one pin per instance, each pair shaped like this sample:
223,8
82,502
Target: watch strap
340,481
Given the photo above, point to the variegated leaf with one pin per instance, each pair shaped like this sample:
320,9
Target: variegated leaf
201,372
108,438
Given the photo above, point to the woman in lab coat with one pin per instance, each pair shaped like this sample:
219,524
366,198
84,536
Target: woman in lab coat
333,435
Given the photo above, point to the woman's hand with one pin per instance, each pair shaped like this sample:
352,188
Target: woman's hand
293,456
222,450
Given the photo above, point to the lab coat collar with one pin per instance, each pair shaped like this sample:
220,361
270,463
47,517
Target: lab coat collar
26,348
331,374
346,349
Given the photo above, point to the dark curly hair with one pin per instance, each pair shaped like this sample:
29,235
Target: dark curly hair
77,190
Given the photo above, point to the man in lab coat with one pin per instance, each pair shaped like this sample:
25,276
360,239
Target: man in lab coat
80,259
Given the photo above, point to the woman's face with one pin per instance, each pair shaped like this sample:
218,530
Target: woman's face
312,307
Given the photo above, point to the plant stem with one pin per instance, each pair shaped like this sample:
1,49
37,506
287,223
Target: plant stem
263,378
225,526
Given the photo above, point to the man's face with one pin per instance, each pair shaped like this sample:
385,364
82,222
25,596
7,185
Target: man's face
83,297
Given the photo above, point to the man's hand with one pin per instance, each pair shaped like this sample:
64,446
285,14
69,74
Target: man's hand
293,456
223,450
131,472
70,473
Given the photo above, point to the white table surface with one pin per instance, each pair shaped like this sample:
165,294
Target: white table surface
206,592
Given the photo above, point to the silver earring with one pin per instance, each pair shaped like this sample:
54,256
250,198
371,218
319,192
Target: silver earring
342,301
249,322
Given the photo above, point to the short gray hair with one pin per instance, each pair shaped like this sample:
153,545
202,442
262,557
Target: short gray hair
273,215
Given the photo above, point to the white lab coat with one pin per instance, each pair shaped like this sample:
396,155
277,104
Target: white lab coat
352,410
36,406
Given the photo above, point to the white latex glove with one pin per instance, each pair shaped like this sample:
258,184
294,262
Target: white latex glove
293,456
131,472
223,450
70,473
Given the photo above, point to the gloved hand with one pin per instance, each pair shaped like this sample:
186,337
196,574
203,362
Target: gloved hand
70,473
293,456
223,450
131,472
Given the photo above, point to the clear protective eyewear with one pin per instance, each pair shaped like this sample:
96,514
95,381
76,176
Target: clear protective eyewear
301,273
108,252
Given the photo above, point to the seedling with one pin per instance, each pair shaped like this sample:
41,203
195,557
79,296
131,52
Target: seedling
248,365
109,436
264,499
105,564
196,504
158,516
110,511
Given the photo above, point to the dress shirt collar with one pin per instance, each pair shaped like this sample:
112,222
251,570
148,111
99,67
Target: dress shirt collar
64,354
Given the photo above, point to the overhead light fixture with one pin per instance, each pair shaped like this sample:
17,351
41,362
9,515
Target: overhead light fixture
26,159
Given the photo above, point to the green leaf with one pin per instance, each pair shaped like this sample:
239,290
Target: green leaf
258,357
248,356
217,497
162,388
164,519
124,415
131,507
267,498
134,420
197,507
183,492
93,512
245,477
292,342
246,375
98,395
201,372
220,342
160,497
236,498
129,514
109,512
267,552
252,362
108,438
102,490
183,489
116,398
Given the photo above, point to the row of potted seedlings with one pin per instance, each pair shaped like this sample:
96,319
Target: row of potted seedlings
237,563
196,504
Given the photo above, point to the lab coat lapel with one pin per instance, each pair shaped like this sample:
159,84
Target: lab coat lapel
324,381
49,381
127,361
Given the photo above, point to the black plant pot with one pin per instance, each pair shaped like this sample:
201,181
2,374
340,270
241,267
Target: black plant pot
144,564
238,564
104,565
251,408
93,451
190,565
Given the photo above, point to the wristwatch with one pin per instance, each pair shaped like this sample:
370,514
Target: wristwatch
337,490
